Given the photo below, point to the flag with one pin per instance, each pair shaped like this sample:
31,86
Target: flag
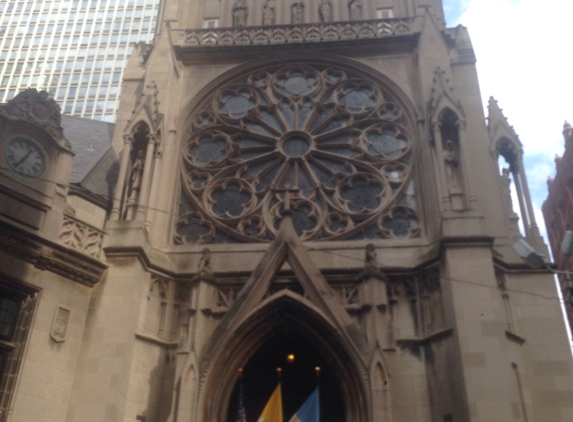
309,411
273,411
241,415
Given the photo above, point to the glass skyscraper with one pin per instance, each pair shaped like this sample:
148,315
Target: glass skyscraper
76,50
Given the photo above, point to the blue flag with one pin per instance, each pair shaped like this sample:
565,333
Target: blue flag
310,409
241,414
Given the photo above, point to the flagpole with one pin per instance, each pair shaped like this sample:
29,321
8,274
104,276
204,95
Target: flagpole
241,414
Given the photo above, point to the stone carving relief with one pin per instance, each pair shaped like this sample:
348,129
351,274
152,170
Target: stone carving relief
371,259
309,32
355,10
77,235
340,142
297,13
205,263
35,106
240,13
60,324
269,13
161,312
325,11
432,309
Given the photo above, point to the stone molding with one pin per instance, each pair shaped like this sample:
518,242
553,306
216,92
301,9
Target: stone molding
47,255
81,236
292,34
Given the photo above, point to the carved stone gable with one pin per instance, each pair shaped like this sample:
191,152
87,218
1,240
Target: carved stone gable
312,290
147,110
442,96
35,107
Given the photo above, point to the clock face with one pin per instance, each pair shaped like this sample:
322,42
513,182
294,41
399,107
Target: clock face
25,157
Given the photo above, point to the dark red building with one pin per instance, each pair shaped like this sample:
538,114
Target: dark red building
558,214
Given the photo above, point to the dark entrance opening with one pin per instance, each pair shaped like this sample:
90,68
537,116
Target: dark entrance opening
298,378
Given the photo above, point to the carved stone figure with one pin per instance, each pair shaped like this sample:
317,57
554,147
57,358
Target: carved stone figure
371,260
205,263
506,181
325,11
239,13
297,12
355,10
60,324
135,177
269,12
451,161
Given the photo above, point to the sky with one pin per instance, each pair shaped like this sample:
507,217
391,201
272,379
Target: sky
525,61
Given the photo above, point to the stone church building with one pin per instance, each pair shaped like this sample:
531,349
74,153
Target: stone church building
311,178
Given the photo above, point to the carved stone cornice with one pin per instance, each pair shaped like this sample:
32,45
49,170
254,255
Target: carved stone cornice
190,41
47,255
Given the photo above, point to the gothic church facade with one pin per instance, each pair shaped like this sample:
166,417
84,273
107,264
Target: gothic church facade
314,178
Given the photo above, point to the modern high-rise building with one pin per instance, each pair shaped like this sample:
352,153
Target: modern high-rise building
76,50
293,184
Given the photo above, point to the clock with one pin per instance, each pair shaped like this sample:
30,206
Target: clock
25,157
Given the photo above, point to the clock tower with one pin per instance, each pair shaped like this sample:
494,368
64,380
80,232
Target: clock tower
36,163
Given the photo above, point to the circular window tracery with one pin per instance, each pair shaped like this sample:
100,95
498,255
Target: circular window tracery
334,143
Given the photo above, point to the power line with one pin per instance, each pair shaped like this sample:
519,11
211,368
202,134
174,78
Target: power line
313,249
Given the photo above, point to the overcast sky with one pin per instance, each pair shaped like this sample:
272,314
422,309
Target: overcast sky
523,48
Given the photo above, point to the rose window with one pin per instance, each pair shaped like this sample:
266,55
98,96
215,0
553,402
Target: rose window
331,145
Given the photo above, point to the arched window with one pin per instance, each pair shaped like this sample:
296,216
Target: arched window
331,147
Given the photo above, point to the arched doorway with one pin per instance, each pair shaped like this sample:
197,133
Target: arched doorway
298,378
283,321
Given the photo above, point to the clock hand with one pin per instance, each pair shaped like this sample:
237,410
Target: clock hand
23,159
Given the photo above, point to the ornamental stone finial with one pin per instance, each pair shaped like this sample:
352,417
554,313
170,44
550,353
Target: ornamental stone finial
567,131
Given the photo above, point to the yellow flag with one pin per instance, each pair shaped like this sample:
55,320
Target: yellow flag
274,409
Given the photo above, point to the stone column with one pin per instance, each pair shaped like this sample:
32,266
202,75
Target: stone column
147,169
465,166
118,195
534,231
524,212
442,186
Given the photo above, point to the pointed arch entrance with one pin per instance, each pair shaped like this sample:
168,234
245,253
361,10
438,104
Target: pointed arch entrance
317,317
287,322
298,377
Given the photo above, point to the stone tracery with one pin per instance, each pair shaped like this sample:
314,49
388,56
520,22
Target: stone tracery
338,140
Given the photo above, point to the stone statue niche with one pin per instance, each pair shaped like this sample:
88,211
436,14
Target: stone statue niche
297,13
239,13
449,129
355,10
269,13
136,169
325,11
